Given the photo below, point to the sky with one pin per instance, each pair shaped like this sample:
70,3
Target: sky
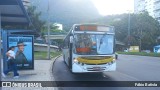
110,7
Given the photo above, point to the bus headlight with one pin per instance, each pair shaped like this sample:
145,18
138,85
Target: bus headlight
75,61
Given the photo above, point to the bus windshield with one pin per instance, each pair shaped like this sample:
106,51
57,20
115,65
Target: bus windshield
97,44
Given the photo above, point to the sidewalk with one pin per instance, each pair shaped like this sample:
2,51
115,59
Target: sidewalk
42,72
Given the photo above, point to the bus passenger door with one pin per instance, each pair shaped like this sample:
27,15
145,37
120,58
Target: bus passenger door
66,51
70,52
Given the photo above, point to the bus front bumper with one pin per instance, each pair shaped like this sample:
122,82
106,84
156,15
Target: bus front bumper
78,68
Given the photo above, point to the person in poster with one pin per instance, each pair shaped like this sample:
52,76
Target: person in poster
20,56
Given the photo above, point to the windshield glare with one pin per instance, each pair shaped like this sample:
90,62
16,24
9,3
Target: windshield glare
94,44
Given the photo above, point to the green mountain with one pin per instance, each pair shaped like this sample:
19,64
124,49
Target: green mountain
67,12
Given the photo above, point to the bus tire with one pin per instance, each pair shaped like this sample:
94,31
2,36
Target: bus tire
70,56
75,73
116,56
63,58
70,63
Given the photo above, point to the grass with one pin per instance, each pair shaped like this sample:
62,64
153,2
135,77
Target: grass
141,54
43,55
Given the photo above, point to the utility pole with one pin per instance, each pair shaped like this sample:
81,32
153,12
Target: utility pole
0,38
1,61
140,41
48,36
129,36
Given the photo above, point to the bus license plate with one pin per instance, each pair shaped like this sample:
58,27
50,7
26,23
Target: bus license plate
97,68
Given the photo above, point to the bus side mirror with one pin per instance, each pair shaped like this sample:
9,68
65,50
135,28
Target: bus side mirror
71,39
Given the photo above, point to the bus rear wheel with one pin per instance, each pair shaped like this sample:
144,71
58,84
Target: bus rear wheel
70,63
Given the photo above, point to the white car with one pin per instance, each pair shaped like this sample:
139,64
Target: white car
126,50
158,51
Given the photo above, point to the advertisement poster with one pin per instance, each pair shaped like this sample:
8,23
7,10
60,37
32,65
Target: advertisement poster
23,50
134,49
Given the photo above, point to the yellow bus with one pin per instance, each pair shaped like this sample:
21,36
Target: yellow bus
90,48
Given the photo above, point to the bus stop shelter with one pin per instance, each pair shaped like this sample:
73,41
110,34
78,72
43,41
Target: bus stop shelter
13,12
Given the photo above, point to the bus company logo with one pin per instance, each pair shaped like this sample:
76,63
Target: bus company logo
6,84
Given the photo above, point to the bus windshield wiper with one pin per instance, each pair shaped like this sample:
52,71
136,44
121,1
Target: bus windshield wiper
101,41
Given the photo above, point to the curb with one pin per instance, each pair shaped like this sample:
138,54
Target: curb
51,68
53,61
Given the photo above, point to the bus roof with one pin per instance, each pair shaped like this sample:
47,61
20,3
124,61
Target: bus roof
72,30
93,27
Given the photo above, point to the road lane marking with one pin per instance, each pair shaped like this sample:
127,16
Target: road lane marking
123,75
129,76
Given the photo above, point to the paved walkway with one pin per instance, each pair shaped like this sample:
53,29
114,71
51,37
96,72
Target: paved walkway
42,72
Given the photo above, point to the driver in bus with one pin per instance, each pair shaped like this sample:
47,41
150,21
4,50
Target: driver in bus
94,46
84,44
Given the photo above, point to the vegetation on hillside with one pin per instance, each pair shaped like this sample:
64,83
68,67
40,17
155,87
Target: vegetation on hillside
37,23
67,12
142,27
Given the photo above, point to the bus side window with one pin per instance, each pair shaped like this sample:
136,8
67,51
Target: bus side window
65,43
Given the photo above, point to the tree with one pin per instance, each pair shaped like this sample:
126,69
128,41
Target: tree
37,24
143,27
54,29
147,28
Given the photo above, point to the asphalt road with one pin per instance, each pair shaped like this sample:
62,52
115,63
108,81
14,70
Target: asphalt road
129,68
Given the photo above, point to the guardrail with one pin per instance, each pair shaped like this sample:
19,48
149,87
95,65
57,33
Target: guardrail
43,47
55,36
